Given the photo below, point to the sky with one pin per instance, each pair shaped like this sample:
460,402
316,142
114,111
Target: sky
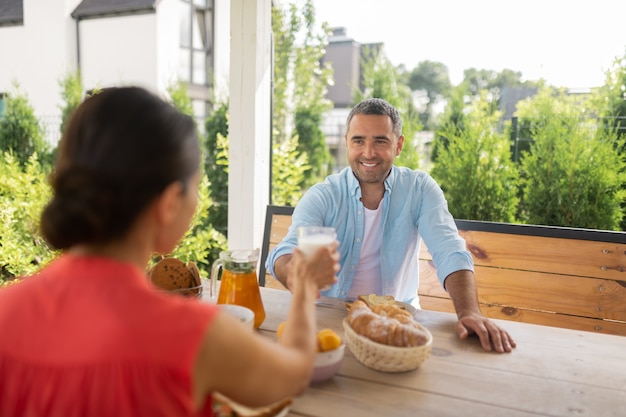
568,43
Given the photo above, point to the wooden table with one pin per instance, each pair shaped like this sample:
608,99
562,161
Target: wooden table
552,372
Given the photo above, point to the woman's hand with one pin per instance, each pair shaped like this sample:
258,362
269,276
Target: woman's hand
319,269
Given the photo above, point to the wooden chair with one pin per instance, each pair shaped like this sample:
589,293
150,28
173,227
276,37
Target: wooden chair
277,222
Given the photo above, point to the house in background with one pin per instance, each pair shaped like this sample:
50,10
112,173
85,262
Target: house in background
150,43
153,43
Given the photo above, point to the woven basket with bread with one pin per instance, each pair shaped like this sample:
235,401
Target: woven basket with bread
386,337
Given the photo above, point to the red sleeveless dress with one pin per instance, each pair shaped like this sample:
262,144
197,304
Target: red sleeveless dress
90,336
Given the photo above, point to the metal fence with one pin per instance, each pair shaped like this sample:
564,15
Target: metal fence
520,131
51,126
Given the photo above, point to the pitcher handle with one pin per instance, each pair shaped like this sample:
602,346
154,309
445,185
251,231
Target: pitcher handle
217,265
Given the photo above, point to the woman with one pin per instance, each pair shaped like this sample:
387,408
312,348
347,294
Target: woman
89,335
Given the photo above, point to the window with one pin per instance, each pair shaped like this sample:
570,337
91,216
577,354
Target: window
196,41
2,103
12,13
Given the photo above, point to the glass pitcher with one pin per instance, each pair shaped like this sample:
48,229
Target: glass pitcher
239,284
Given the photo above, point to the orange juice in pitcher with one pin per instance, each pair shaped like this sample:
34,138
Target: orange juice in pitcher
239,284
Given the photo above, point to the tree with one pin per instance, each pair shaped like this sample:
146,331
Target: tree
20,131
475,170
300,83
285,26
573,172
288,173
202,243
72,94
610,100
433,78
610,105
382,80
207,238
493,83
311,142
452,121
311,80
216,164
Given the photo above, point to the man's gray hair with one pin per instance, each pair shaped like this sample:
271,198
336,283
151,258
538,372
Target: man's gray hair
380,107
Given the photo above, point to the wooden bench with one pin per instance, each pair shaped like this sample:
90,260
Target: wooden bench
554,276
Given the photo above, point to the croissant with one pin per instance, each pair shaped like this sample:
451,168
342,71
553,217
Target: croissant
386,324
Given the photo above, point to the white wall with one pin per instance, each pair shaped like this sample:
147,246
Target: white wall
38,54
119,51
167,39
141,49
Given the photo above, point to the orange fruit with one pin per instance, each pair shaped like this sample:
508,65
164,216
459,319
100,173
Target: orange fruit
327,340
280,329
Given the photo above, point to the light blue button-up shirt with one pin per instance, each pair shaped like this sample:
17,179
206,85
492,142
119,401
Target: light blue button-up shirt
414,208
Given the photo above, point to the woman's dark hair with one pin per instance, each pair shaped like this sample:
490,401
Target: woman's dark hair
121,149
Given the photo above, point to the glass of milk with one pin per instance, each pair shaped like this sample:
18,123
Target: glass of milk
311,238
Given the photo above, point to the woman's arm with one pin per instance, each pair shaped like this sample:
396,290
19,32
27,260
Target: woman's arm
254,370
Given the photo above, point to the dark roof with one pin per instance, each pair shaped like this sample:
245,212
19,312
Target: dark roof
11,12
97,8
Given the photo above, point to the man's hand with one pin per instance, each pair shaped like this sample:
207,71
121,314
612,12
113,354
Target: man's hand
492,337
462,289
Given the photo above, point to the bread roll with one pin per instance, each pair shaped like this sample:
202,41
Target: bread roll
229,408
171,274
373,299
386,324
195,273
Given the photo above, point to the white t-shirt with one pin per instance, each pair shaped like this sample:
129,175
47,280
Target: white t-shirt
367,279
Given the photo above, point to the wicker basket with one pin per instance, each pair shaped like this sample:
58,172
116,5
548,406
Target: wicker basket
386,358
188,292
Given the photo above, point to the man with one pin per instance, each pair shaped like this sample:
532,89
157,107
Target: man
381,212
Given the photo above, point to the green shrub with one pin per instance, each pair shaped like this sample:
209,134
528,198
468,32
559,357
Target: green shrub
202,243
610,104
23,193
72,94
288,173
573,172
475,169
20,131
216,165
312,142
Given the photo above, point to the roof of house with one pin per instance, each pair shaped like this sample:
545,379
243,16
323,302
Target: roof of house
97,8
11,11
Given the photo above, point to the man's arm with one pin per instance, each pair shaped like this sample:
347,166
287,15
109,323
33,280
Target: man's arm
282,266
461,287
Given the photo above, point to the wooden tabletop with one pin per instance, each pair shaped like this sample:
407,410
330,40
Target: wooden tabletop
552,372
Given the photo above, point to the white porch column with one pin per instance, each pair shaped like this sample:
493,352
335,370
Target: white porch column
249,124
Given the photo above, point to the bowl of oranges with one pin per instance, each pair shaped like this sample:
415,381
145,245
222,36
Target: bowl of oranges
330,350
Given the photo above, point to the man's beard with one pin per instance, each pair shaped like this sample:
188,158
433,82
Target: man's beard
370,177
